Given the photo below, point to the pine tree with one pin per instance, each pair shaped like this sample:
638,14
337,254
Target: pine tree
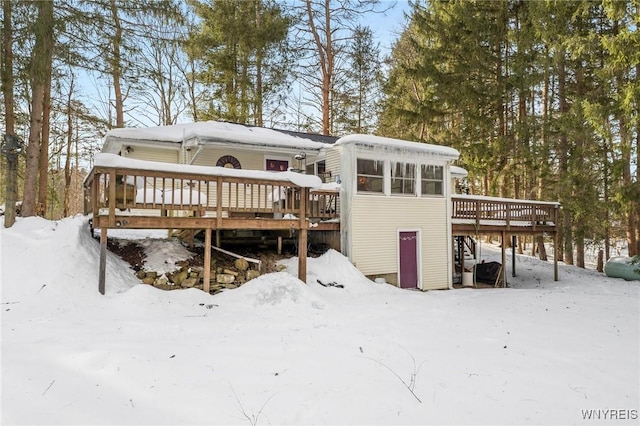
539,97
355,109
240,44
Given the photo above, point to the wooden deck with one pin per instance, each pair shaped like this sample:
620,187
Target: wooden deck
123,198
134,198
472,214
480,215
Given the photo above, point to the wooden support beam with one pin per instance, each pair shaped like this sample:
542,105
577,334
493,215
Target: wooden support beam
302,255
302,236
555,256
513,255
461,254
207,260
504,258
103,260
155,222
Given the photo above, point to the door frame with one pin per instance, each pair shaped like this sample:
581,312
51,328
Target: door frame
418,232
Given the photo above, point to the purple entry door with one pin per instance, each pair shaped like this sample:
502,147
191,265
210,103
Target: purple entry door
408,259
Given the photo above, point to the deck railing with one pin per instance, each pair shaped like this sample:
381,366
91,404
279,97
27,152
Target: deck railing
115,191
503,212
211,200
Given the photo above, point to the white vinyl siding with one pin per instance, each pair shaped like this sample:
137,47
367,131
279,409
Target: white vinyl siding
152,154
248,160
332,163
374,225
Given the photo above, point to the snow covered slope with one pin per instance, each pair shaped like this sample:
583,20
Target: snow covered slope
276,351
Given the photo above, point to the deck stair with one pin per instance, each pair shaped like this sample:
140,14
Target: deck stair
465,247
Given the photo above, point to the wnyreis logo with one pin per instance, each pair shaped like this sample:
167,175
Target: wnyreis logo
608,414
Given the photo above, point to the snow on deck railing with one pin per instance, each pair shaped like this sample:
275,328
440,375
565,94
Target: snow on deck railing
137,184
297,179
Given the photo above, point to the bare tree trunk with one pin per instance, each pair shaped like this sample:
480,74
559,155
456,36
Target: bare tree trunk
7,67
541,249
42,50
521,243
67,162
9,117
325,56
600,264
191,84
116,71
43,184
77,186
563,155
580,250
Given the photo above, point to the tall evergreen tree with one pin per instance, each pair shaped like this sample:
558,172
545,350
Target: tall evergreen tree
539,97
358,95
240,44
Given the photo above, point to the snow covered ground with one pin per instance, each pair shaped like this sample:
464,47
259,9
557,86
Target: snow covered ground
275,351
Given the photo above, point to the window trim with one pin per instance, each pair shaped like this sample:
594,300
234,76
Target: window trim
414,179
266,158
441,181
382,176
387,177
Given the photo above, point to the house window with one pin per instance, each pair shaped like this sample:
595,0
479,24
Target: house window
229,162
432,180
370,175
319,169
311,169
403,178
277,165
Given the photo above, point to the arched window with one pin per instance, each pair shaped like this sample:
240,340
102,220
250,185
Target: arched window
229,161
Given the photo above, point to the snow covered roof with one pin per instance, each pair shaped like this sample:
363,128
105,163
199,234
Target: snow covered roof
458,172
398,145
112,160
214,131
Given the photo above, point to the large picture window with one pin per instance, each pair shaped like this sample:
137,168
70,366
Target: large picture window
370,175
403,178
432,180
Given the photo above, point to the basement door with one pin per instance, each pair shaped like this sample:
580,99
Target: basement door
408,258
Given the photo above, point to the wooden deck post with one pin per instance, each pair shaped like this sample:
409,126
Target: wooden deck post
103,259
513,255
207,260
302,255
555,256
504,258
302,236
